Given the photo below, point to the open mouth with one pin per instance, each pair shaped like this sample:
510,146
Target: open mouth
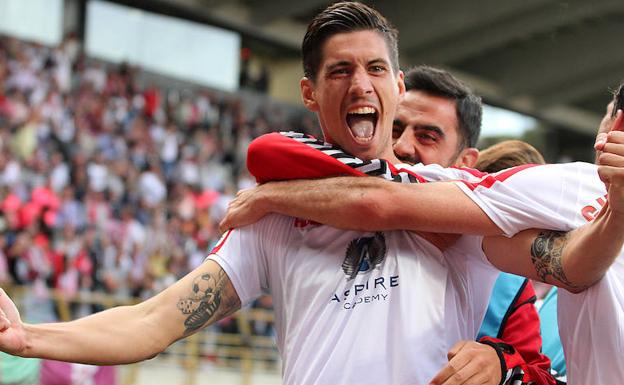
362,122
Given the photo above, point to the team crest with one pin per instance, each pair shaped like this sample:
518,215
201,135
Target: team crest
363,254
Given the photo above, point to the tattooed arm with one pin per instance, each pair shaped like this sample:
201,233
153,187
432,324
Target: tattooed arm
572,260
125,334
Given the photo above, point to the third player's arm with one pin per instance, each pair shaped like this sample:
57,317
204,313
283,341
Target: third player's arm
572,260
577,259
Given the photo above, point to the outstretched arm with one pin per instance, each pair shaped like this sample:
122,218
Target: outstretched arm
125,334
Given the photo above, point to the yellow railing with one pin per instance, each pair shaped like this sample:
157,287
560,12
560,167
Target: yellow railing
243,351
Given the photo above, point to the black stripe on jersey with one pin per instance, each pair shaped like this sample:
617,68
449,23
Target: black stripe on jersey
375,167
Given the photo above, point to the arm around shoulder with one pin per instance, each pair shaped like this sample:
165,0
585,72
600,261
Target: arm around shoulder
366,204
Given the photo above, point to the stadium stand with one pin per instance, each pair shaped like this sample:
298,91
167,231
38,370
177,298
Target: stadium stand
111,190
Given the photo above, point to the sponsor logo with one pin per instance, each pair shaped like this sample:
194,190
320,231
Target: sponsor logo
363,254
373,290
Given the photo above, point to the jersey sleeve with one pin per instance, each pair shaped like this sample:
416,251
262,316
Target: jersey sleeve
245,253
519,343
234,247
542,197
290,155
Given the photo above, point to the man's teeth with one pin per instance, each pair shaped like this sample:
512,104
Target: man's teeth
362,110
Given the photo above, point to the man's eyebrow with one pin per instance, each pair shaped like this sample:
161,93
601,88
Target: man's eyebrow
378,61
341,63
431,128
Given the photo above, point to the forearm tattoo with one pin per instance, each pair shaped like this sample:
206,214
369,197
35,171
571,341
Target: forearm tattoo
205,301
546,253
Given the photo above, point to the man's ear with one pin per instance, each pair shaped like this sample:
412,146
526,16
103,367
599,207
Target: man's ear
467,157
307,94
401,82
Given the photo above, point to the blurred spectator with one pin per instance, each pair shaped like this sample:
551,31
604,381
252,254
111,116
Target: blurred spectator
109,186
59,174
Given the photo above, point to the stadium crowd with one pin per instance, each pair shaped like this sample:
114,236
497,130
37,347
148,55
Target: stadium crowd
107,185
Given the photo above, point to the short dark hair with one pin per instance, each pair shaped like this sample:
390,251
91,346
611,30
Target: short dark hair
345,17
438,82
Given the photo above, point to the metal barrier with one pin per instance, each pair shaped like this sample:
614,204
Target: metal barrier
243,351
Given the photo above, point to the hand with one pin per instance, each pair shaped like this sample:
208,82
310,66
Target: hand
244,210
611,168
12,334
607,125
470,363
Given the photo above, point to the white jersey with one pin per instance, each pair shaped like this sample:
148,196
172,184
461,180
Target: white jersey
322,316
358,308
591,324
